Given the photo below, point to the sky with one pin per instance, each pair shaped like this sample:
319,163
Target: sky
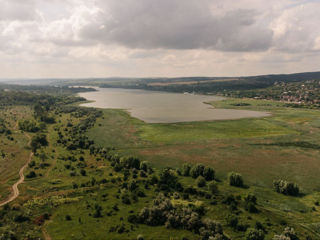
157,38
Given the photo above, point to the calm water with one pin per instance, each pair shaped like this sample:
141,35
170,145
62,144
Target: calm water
162,107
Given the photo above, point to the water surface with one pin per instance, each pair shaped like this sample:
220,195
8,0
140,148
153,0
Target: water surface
163,107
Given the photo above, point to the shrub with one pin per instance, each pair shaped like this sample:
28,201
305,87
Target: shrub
232,221
37,141
83,172
168,180
213,187
235,179
197,171
125,198
201,182
286,188
208,173
144,166
28,126
31,174
254,234
250,203
287,234
186,170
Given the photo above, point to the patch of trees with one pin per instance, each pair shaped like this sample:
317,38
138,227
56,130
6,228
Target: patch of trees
28,126
250,203
38,141
180,217
197,170
286,188
74,135
3,128
235,179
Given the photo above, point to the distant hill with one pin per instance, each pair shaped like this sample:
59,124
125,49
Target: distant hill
180,84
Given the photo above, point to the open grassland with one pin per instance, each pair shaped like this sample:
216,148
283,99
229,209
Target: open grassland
13,152
61,200
286,144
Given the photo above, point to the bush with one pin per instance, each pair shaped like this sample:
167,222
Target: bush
250,203
254,234
208,173
197,171
286,188
235,179
233,221
201,182
31,174
125,198
37,141
186,170
168,180
287,234
213,187
28,126
83,172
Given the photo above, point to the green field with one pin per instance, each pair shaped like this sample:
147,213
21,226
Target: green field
61,201
250,146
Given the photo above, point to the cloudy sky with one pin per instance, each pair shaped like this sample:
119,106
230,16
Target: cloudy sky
145,38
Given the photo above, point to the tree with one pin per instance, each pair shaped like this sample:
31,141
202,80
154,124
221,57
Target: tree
286,188
201,182
197,171
38,141
186,170
31,174
235,179
97,211
28,126
208,173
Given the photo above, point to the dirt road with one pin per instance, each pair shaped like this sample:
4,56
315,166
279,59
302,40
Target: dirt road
15,189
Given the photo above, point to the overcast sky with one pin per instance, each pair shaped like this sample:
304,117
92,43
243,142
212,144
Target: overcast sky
150,38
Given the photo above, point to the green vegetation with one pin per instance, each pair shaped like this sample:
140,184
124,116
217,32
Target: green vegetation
100,174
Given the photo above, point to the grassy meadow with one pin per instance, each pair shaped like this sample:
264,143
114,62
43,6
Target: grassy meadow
261,149
61,201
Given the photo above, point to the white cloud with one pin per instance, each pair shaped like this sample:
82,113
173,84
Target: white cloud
155,38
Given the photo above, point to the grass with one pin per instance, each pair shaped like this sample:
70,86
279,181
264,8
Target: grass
261,149
15,152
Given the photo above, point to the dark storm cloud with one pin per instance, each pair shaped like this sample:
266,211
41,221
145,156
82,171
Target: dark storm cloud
177,24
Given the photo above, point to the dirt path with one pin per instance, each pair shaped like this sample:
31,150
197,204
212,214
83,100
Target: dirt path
15,189
45,233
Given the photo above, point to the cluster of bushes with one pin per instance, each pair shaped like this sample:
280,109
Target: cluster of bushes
197,170
179,217
38,141
287,234
3,128
28,126
286,188
74,137
255,234
250,203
